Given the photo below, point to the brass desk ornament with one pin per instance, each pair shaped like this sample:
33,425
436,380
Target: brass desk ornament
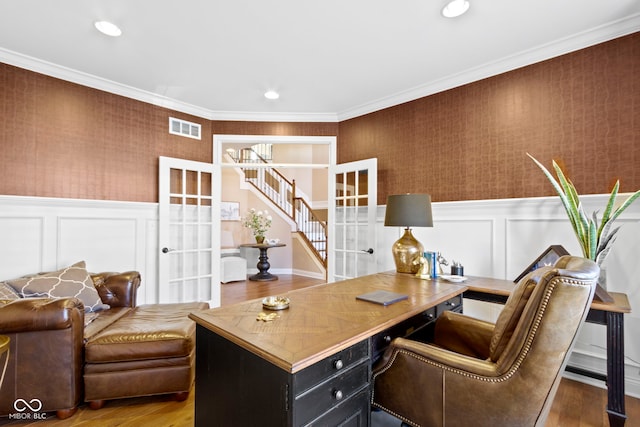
424,272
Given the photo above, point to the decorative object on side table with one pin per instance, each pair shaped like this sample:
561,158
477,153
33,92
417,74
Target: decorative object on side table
408,210
595,237
258,222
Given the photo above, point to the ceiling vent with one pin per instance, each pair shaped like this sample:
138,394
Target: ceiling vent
184,128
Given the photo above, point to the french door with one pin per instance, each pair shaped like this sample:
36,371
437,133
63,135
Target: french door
352,219
189,224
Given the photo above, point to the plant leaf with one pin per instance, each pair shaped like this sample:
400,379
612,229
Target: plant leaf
625,205
605,239
592,243
605,246
571,205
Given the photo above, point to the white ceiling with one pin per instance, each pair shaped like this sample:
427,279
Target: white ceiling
330,60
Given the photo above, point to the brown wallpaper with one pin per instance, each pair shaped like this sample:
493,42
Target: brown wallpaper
469,143
274,128
60,139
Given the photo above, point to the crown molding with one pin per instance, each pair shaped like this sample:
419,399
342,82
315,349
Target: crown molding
272,117
582,40
64,73
622,27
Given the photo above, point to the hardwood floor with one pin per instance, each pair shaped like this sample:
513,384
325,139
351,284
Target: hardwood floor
576,404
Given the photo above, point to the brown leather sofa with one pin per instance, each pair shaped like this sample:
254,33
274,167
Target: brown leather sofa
477,373
60,356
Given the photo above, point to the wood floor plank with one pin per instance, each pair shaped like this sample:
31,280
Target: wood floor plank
576,404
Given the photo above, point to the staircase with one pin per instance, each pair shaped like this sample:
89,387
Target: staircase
282,193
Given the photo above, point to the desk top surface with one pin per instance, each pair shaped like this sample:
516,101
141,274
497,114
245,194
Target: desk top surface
323,319
327,318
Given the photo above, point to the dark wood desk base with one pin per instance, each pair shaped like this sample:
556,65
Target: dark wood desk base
614,379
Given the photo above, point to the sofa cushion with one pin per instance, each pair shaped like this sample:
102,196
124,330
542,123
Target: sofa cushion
7,292
151,331
70,282
102,320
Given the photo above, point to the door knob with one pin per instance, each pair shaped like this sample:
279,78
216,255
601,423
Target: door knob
167,250
369,251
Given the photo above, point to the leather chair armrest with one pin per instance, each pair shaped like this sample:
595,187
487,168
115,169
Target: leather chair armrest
117,289
438,357
463,334
40,314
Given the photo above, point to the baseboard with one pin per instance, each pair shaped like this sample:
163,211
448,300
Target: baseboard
597,363
311,274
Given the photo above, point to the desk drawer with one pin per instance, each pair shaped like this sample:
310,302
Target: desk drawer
328,395
332,365
354,412
452,304
381,340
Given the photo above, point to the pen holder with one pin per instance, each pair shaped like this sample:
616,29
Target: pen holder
457,270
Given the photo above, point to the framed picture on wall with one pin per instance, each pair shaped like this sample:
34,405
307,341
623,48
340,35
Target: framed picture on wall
230,211
548,257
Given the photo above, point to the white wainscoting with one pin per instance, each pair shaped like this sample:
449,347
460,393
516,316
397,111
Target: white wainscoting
494,238
500,238
45,234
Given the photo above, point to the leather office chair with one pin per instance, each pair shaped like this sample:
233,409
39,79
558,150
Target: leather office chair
477,373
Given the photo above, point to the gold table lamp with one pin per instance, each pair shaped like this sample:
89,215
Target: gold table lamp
408,210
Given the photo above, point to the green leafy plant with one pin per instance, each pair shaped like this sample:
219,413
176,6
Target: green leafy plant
257,221
595,236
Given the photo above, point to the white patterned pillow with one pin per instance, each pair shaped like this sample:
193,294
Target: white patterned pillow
73,281
7,292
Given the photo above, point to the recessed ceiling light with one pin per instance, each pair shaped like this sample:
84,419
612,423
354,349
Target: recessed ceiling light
271,94
106,27
455,8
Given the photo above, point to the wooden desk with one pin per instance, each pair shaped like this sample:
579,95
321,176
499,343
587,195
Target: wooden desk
263,265
313,362
609,314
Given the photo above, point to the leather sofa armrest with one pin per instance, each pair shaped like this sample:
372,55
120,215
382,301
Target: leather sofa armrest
463,334
117,289
40,314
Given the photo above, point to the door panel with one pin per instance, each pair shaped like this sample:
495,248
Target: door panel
352,219
187,231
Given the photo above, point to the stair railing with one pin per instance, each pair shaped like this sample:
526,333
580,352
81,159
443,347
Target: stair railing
312,229
277,188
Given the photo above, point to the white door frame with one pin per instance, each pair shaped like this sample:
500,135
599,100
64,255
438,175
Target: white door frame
220,139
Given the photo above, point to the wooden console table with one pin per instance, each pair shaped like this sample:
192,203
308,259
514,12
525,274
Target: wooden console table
311,364
263,265
609,314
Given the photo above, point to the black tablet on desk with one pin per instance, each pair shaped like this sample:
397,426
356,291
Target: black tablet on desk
382,297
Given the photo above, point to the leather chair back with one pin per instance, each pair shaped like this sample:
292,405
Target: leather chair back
528,349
